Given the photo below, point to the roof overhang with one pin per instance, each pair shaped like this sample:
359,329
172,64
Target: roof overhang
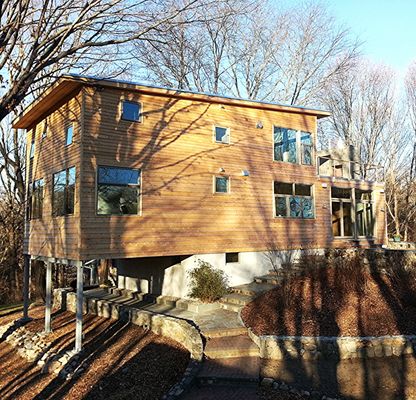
68,84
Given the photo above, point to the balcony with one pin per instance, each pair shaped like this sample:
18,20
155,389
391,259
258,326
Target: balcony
348,169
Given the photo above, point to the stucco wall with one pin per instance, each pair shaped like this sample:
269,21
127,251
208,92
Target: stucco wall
166,276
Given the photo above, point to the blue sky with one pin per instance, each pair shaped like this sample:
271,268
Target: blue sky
387,28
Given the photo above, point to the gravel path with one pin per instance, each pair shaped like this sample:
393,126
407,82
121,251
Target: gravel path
124,360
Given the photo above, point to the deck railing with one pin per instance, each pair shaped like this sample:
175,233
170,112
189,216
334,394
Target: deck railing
347,169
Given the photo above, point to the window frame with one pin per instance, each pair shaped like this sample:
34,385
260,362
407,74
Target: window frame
228,133
65,194
232,253
67,128
215,184
341,202
287,198
139,194
32,149
138,103
32,194
299,147
365,202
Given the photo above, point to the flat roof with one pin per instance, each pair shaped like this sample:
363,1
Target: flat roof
67,84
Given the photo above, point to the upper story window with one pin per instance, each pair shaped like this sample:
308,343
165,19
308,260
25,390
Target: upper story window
222,184
222,135
44,131
63,197
292,146
130,111
69,133
293,200
118,191
32,149
36,199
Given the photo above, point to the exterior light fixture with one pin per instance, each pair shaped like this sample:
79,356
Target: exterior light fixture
244,172
259,125
221,170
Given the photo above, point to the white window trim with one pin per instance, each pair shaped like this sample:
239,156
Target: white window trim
228,184
214,136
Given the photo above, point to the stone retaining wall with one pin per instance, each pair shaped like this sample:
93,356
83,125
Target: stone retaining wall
176,329
311,348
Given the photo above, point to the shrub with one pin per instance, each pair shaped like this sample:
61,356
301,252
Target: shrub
208,284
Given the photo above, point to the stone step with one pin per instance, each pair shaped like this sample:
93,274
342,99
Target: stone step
230,347
241,370
285,271
237,298
252,289
232,307
223,332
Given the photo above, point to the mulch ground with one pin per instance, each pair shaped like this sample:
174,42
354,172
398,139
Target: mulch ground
334,302
124,361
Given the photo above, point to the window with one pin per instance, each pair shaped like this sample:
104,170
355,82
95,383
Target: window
32,149
341,212
130,111
292,146
222,184
45,131
118,191
69,134
232,257
36,200
63,192
364,212
222,135
293,200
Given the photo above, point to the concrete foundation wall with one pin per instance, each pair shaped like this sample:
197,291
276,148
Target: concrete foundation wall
170,277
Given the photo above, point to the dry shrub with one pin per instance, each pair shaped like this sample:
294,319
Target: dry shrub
208,284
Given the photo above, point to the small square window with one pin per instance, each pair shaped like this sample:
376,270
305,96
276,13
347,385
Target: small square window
232,257
222,135
221,184
32,149
130,111
69,135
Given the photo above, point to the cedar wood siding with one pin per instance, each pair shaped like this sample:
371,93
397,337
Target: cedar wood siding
173,146
55,236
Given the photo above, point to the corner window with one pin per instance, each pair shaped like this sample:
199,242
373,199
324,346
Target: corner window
232,257
118,191
130,111
364,212
341,206
222,184
63,192
222,135
32,149
292,146
293,200
69,135
36,199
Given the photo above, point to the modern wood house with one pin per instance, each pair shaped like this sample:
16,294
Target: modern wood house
155,178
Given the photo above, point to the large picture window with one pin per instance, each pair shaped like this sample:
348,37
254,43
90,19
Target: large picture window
118,191
63,192
352,216
293,200
293,146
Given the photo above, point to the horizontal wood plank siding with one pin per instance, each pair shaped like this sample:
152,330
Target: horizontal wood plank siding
174,147
55,236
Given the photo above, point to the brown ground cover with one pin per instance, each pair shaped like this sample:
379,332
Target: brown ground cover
124,362
347,300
